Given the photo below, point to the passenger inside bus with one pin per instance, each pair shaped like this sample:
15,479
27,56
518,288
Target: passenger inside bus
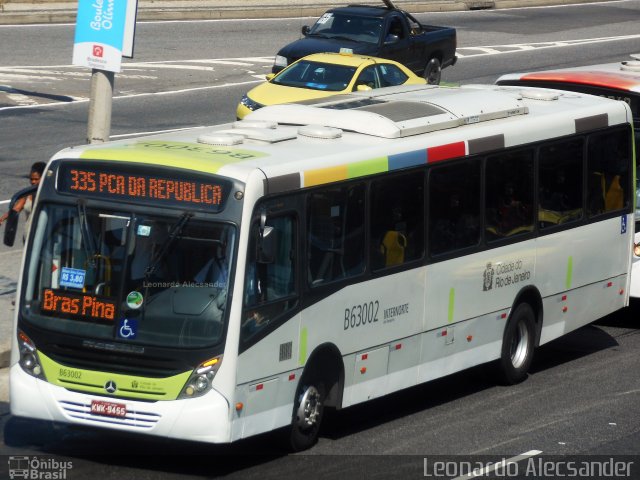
512,215
394,240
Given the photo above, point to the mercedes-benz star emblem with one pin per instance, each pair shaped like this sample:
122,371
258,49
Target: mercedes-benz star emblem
110,386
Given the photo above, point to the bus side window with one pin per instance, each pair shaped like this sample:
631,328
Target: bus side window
509,194
335,229
397,220
560,183
270,286
454,206
608,176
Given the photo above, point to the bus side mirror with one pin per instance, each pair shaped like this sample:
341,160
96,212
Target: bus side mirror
11,226
267,245
305,30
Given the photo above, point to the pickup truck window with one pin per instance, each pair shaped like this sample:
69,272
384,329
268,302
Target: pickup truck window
360,29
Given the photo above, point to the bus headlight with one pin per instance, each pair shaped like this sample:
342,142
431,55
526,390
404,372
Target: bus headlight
29,360
201,379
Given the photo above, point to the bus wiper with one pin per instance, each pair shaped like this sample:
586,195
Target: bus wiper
90,248
176,230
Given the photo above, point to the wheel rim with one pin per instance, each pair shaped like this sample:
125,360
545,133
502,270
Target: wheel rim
310,408
520,345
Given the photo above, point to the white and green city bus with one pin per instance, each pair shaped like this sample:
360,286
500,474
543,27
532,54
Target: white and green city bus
219,282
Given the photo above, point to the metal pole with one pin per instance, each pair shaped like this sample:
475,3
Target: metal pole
99,126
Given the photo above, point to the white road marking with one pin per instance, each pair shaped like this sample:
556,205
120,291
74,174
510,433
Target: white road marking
519,47
168,66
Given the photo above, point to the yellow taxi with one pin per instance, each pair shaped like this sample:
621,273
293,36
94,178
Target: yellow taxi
324,74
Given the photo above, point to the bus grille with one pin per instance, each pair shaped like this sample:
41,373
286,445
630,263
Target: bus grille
138,419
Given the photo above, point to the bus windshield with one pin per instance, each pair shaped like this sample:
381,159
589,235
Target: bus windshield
146,279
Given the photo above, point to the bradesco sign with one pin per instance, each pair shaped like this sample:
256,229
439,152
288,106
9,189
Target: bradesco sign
100,28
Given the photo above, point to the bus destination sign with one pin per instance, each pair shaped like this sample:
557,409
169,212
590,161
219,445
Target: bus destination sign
175,189
78,305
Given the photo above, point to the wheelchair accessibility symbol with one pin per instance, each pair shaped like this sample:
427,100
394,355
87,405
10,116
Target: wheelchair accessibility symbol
127,328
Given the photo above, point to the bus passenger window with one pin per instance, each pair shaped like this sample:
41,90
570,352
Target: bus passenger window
335,231
397,220
560,183
608,175
509,194
454,207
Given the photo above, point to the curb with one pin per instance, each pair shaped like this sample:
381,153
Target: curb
24,12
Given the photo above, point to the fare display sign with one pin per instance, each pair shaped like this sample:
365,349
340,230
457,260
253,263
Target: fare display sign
176,189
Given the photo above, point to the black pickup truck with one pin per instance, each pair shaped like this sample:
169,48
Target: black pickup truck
385,32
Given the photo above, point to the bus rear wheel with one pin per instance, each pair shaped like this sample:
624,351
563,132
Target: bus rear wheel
307,415
518,344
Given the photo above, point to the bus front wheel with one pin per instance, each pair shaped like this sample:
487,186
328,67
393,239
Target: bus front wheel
518,345
307,415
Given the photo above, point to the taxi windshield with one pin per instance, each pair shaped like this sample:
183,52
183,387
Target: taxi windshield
146,279
316,76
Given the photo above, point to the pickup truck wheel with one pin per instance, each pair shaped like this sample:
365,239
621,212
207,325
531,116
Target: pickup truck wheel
433,71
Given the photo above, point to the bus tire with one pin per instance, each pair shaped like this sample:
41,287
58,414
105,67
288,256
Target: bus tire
518,344
308,411
433,71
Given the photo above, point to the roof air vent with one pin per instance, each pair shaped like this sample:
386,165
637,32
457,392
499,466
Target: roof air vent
221,139
541,94
319,131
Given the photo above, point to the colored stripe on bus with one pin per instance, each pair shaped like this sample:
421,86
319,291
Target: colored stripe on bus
191,156
445,152
283,183
569,278
368,167
594,122
325,175
408,159
486,144
452,302
302,357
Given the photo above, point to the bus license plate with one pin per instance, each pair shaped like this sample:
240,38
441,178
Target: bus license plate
109,409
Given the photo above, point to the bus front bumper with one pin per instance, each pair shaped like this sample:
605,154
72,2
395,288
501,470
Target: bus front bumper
202,419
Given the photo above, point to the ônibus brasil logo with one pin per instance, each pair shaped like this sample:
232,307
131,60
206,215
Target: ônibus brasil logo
38,468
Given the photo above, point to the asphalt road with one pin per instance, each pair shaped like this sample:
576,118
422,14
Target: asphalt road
583,394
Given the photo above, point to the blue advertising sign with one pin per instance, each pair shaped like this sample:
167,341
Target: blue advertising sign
100,29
